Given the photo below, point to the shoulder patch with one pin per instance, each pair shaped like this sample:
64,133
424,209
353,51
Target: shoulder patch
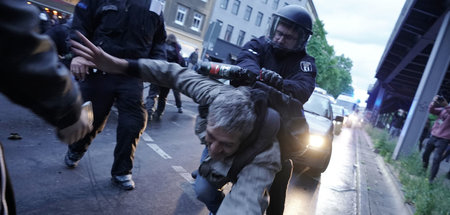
306,66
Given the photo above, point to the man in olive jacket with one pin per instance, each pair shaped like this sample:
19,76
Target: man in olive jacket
236,125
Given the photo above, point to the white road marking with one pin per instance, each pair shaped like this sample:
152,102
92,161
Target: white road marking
180,170
146,137
159,151
176,124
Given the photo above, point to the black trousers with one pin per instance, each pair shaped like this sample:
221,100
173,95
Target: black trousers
162,99
126,92
278,189
161,93
440,145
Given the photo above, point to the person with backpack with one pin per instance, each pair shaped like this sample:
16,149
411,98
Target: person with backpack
241,126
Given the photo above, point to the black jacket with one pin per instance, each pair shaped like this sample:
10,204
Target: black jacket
297,69
123,28
31,75
173,53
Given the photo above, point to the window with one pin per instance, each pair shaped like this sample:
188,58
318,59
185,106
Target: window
241,37
197,23
224,4
228,33
235,8
181,15
220,24
275,4
248,13
259,18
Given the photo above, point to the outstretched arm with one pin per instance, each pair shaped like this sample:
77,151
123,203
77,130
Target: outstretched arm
97,58
171,75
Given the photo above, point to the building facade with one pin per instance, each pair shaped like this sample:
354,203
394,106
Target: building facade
216,27
188,21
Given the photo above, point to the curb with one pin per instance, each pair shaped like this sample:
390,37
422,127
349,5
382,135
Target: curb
361,183
387,170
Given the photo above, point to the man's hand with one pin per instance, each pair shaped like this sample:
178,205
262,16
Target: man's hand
79,68
440,101
77,130
97,58
271,78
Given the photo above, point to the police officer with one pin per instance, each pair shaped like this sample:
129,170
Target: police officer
283,51
127,29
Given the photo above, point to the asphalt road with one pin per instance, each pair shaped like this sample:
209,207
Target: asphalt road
355,182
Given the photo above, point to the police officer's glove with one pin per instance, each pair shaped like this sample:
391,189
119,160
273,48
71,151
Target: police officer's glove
284,104
271,78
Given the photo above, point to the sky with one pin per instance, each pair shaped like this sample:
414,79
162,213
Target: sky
360,30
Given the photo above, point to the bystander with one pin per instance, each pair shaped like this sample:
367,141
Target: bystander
173,55
397,123
440,135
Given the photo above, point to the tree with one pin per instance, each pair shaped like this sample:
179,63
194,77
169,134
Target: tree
333,72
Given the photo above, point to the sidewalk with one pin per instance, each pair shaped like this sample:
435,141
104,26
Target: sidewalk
392,175
380,190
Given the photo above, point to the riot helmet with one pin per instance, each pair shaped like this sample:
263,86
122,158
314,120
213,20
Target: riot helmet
290,29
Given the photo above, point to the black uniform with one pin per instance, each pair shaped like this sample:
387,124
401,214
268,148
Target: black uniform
298,70
126,29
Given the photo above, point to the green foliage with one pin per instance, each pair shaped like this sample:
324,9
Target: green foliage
333,72
427,198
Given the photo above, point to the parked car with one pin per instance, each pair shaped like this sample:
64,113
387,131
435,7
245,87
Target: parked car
319,115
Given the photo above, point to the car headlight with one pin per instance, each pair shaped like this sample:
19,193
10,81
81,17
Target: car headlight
316,141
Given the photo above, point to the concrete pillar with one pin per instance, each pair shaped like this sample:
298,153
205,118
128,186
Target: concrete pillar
376,106
429,85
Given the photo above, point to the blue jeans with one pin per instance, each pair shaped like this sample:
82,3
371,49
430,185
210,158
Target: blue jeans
395,132
206,192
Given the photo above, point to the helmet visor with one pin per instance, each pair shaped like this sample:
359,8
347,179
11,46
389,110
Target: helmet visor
287,35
